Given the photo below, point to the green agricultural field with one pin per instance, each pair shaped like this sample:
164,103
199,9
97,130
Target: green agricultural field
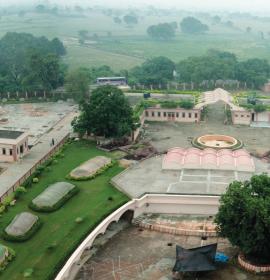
59,228
123,48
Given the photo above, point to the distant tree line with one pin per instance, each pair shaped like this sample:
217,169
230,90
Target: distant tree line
29,63
213,66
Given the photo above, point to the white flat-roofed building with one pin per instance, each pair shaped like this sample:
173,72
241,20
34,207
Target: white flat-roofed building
13,145
113,81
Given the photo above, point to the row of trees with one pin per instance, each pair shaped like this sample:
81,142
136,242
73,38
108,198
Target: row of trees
215,65
166,31
28,63
129,19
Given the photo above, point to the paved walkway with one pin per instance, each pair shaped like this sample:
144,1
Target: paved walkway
17,170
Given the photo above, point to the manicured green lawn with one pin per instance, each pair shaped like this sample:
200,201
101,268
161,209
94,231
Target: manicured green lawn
59,227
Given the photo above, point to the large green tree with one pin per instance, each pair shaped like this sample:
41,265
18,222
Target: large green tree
161,31
255,72
244,217
107,114
130,19
155,71
191,25
77,84
20,54
212,66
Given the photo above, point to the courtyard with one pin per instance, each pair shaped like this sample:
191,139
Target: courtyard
136,254
171,134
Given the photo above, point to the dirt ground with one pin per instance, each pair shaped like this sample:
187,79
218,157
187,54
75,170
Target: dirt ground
168,135
147,255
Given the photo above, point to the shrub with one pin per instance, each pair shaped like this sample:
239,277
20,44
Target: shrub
55,161
35,180
79,220
40,168
48,169
51,246
2,209
186,104
28,182
258,108
10,257
28,272
19,192
110,198
7,200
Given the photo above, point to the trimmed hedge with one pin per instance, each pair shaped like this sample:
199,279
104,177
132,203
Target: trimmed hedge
57,205
23,237
100,171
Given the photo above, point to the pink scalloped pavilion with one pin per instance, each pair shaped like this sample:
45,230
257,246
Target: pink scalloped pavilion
193,158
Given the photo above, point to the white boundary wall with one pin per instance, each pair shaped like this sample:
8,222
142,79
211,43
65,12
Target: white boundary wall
149,203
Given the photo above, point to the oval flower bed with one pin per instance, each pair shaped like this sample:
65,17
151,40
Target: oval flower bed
22,227
53,197
91,168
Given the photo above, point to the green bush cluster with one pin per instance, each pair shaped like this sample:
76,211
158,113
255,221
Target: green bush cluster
9,258
19,192
23,237
170,104
99,172
57,205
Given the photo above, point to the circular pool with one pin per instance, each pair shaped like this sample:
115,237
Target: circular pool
217,141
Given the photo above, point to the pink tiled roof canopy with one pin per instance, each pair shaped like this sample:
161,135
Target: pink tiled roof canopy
192,158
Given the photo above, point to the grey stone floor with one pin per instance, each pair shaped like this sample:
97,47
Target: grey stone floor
35,118
148,177
145,255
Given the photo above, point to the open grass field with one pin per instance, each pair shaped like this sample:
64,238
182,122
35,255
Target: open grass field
59,228
126,47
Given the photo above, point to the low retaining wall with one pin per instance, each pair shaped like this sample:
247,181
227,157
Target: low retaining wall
154,203
178,231
251,267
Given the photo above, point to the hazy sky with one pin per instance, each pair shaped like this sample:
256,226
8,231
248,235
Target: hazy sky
232,5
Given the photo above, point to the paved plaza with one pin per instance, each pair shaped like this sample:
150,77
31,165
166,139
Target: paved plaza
34,118
148,177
